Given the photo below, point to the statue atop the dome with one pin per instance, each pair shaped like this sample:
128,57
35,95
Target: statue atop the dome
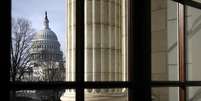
46,21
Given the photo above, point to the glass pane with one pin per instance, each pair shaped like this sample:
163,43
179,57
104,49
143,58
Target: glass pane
36,95
105,40
193,40
165,94
38,40
164,40
194,93
106,94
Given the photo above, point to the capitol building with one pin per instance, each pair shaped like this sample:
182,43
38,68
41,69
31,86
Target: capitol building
46,55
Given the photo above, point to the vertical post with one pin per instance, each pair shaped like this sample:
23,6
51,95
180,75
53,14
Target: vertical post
139,50
5,40
79,50
182,69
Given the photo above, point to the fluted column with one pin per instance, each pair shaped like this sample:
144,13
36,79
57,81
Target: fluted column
70,65
96,40
68,58
124,38
73,37
116,39
104,60
88,42
104,40
111,26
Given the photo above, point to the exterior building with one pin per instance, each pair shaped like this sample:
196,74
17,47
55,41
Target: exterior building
48,62
46,55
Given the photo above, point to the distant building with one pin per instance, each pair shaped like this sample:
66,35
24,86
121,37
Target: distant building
46,55
47,62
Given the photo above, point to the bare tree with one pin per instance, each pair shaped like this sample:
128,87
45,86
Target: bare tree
49,68
52,71
22,34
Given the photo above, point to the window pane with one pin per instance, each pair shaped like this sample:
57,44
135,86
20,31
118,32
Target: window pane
38,40
193,40
36,95
106,94
194,93
105,40
165,94
164,40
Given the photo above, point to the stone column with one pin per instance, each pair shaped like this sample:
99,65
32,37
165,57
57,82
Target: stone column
70,64
104,21
96,35
103,47
124,38
88,42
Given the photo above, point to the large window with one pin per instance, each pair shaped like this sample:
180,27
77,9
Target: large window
160,44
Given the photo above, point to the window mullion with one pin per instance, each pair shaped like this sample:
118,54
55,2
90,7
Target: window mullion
139,50
181,40
79,50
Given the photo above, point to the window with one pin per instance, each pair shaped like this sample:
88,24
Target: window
139,82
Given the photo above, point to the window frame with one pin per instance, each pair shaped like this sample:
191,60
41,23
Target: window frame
140,83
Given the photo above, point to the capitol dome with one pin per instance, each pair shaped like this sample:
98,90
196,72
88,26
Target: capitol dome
46,34
45,45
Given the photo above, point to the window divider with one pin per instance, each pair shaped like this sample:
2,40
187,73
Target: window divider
79,54
139,50
181,40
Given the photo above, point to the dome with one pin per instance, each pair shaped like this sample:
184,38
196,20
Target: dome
45,34
45,45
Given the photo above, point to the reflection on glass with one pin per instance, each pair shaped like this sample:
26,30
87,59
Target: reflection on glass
193,40
164,40
36,95
194,93
165,94
106,94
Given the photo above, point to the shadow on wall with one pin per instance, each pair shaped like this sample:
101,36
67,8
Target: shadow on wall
197,96
196,26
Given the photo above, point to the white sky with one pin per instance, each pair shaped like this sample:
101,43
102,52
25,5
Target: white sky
34,10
